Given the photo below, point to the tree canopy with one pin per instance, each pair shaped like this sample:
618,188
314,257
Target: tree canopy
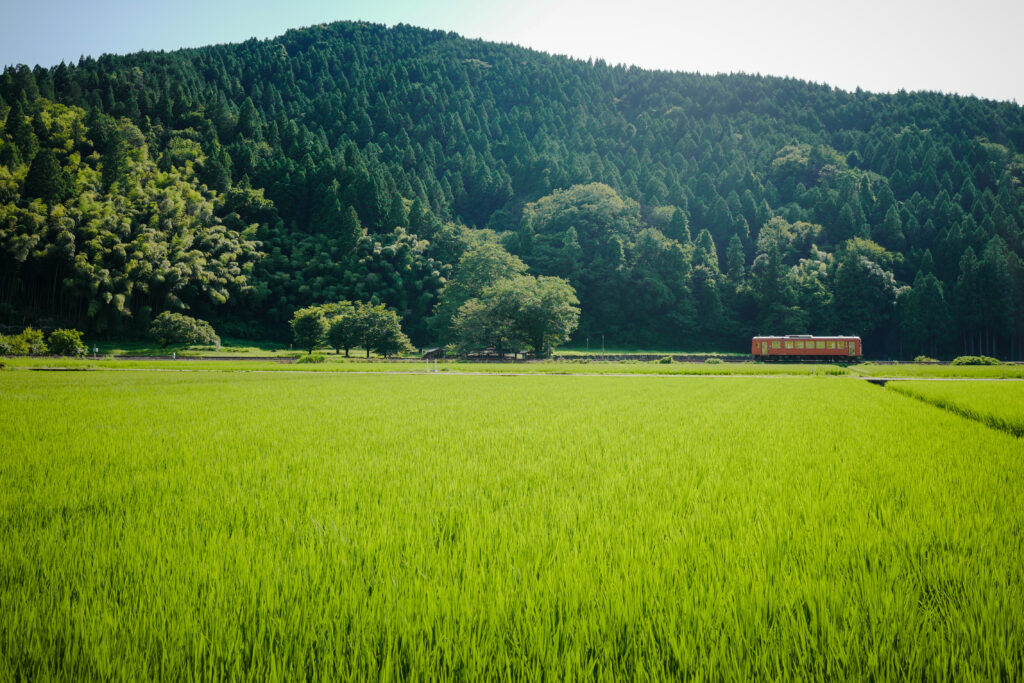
177,328
345,325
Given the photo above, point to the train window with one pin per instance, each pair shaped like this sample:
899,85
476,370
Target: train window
831,344
799,345
841,344
819,345
775,344
789,345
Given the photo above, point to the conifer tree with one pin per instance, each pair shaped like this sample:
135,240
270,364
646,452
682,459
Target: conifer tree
350,230
45,179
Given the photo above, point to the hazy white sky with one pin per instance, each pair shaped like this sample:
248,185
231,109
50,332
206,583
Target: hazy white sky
963,47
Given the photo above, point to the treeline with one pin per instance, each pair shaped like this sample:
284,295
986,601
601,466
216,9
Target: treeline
354,162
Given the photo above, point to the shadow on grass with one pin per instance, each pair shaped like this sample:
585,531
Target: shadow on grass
1013,428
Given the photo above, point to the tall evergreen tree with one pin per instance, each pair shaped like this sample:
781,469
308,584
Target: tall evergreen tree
45,179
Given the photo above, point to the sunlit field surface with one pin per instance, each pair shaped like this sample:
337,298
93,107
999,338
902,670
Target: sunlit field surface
165,525
997,404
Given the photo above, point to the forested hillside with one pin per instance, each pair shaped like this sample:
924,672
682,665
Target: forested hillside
239,183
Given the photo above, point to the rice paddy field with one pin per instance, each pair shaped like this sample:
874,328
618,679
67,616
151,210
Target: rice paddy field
924,371
340,526
997,404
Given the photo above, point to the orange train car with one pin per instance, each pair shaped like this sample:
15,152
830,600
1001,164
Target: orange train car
798,347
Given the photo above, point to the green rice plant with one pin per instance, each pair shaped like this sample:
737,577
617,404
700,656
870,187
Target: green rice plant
216,525
1003,371
997,404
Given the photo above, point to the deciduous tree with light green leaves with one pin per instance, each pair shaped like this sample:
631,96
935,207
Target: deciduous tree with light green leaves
522,310
344,326
381,330
478,269
308,328
548,313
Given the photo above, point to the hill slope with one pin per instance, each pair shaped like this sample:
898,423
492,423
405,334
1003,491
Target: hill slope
344,161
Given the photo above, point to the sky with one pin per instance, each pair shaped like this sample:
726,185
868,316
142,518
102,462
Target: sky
970,48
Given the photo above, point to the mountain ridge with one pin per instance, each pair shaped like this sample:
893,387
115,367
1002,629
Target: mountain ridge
424,130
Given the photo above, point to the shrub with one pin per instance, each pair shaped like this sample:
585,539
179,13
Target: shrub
925,359
712,361
32,342
976,360
312,358
665,360
67,343
176,328
12,345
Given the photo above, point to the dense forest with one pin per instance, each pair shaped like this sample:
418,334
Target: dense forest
239,183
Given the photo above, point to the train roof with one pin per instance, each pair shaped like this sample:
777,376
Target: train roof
804,336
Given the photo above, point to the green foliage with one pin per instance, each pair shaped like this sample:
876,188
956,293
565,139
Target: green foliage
625,271
13,345
489,322
925,359
923,310
31,341
308,328
345,326
357,162
312,358
548,311
479,268
712,360
121,246
381,330
515,311
45,179
178,328
976,360
65,342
